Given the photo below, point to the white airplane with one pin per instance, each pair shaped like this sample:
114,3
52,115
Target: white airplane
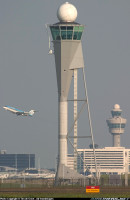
19,112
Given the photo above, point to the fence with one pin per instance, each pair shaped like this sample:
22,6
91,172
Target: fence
47,183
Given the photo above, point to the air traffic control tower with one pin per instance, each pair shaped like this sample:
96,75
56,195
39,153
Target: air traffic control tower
116,125
66,35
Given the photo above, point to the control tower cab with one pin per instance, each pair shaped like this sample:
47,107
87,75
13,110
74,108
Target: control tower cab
116,125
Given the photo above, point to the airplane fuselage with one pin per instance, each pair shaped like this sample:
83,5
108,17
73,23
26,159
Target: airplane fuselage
19,112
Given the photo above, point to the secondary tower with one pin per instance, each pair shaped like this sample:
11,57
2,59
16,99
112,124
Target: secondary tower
116,125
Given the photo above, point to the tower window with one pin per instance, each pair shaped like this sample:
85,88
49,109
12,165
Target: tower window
66,32
116,125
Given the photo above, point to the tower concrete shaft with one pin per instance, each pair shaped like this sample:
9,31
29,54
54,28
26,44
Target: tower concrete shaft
116,125
75,116
116,140
63,125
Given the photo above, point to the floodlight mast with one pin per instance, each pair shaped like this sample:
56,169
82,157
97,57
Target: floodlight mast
66,36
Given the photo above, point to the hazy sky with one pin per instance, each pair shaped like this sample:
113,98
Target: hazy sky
28,77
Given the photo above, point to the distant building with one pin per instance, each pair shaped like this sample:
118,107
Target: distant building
70,161
110,160
18,161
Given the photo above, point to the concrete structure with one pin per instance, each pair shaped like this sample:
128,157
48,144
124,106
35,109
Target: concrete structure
116,125
66,36
110,160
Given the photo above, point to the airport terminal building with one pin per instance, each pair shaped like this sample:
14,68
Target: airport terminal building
110,160
17,161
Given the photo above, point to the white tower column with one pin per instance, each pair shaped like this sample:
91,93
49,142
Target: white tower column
63,126
116,140
75,116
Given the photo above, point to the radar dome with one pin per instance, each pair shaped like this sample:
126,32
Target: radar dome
67,12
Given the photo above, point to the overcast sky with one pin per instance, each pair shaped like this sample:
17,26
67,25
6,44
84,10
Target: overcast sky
28,77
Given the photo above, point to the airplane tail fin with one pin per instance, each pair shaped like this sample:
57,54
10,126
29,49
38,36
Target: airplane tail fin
31,112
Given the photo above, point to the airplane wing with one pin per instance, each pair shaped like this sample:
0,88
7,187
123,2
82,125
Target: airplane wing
25,113
19,113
